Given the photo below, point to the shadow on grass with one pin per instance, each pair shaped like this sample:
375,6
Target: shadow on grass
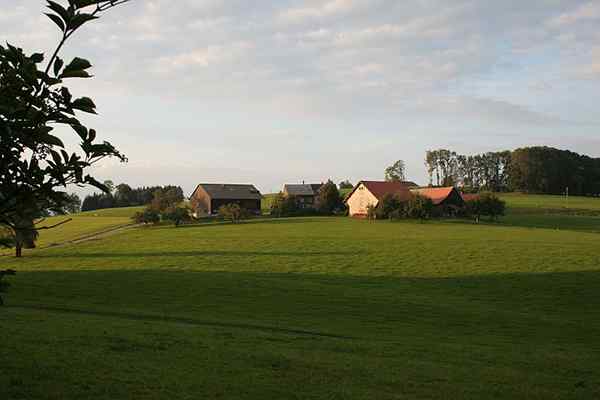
260,220
198,253
547,305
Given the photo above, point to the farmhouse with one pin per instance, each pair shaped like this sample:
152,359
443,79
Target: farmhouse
369,193
305,194
208,197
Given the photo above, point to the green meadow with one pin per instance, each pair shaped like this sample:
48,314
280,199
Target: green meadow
311,308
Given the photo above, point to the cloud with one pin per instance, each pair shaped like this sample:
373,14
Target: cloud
223,75
204,57
327,9
585,12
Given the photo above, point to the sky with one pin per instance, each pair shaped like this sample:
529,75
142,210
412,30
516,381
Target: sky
283,91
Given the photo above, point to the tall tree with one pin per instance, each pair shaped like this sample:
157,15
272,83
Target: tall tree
395,172
328,199
35,167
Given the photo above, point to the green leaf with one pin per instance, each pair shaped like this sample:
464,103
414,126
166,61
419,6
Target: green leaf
58,64
80,19
83,3
76,69
81,131
90,180
78,64
75,74
37,58
60,10
57,20
51,140
92,135
55,157
84,104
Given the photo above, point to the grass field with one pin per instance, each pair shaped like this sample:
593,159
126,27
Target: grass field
544,203
82,225
307,308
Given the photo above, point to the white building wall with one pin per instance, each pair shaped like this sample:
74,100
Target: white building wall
360,200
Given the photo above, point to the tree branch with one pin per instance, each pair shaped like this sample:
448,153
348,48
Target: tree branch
44,228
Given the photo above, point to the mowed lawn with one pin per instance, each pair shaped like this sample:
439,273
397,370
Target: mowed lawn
315,308
518,201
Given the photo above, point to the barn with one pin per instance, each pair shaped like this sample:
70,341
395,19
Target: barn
444,196
369,193
208,197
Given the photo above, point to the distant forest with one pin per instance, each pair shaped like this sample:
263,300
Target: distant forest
542,170
125,196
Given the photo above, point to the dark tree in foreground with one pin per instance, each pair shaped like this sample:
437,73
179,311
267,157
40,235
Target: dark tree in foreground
35,167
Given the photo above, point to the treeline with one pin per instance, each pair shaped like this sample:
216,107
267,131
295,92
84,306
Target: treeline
543,170
124,196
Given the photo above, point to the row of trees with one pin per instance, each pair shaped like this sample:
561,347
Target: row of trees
486,171
531,169
124,196
419,207
553,171
327,202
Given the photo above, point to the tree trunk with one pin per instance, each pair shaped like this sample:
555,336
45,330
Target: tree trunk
19,250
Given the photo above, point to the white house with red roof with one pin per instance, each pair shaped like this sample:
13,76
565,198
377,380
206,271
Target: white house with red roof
370,193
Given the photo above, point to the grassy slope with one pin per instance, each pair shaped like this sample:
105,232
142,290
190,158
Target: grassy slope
553,212
82,225
420,311
544,202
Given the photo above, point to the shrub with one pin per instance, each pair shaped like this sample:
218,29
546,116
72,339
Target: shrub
419,207
284,206
371,212
389,204
232,212
178,215
492,205
148,216
486,204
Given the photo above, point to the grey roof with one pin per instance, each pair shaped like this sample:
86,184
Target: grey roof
302,190
231,192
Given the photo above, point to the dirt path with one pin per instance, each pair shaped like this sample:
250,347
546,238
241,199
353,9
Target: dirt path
178,320
82,239
93,236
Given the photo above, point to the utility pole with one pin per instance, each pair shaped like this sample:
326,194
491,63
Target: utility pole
567,196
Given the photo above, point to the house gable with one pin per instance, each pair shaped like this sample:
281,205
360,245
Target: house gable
360,199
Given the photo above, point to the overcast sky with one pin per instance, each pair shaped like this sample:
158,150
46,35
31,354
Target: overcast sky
276,91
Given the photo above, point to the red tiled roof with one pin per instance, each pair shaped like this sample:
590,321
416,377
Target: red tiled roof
437,195
469,196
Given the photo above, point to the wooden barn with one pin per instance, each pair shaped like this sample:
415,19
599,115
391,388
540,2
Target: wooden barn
367,193
305,194
208,197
